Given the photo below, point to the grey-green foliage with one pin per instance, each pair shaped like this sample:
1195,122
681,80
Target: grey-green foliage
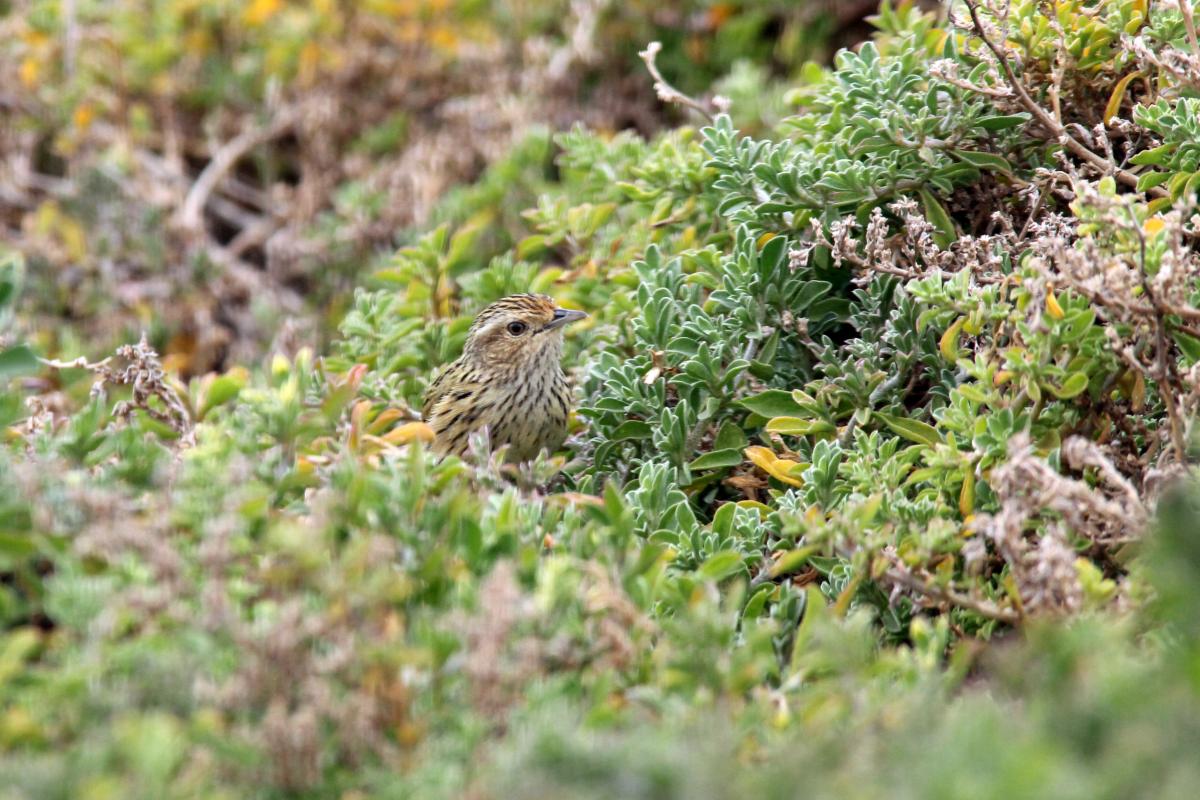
692,351
877,128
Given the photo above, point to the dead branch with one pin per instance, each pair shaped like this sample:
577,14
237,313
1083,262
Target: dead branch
191,213
900,575
669,94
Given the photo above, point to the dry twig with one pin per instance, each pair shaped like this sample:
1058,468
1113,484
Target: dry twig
669,94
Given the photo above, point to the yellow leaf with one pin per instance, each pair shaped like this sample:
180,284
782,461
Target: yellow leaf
197,42
782,469
778,468
843,600
409,432
1140,7
1153,225
83,116
443,37
385,418
1052,306
576,499
259,11
35,38
74,238
1137,397
310,60
1118,93
966,497
29,72
759,456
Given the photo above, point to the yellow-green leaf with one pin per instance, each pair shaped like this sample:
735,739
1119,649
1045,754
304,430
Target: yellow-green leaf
948,344
794,426
911,429
1118,92
1075,383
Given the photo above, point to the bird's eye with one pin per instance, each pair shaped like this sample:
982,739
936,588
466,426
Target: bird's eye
517,328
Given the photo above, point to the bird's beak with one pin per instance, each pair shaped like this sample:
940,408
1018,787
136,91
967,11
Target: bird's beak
563,316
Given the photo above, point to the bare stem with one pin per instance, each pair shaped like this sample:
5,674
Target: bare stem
1189,23
984,608
669,94
191,214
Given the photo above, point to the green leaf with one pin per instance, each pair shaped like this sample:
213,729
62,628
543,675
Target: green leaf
717,459
1076,324
632,429
1156,156
1189,345
531,245
1149,180
730,436
1003,122
772,403
792,560
972,393
1075,383
647,558
794,426
12,270
18,360
720,565
221,391
935,212
986,161
18,647
758,602
15,547
911,429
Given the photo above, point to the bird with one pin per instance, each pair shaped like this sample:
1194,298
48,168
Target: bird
509,378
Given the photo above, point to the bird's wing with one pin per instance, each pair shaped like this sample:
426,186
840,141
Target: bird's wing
456,377
434,392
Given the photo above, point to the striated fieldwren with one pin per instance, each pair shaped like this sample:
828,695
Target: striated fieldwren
508,378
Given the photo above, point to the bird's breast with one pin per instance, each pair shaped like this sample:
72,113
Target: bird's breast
531,414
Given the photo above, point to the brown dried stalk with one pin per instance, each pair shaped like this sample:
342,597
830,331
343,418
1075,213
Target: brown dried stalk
1122,291
191,213
143,372
1039,507
669,94
900,575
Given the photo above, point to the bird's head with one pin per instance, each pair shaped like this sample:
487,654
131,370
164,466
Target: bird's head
519,332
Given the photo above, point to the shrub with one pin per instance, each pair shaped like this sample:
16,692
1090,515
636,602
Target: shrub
880,482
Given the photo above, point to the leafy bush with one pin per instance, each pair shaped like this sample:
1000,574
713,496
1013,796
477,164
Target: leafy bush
880,481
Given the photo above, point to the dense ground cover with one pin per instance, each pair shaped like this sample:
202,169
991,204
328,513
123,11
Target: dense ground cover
879,485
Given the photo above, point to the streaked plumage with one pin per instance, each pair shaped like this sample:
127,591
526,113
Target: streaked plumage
508,378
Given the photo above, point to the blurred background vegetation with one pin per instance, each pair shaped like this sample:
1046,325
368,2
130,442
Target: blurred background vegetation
243,163
881,482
